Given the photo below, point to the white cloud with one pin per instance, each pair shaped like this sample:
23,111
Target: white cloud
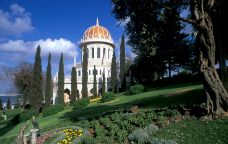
15,22
57,46
54,46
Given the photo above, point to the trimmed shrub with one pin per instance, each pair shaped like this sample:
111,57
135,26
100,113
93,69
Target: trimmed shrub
27,114
81,103
48,111
109,96
136,89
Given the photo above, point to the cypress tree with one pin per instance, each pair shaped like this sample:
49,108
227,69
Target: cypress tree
94,82
60,91
114,73
8,105
103,83
37,95
1,106
48,88
122,64
85,73
73,85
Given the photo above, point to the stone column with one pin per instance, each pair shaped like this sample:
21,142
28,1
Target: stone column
34,135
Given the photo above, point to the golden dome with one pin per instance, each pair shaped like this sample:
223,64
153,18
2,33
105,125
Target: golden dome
97,33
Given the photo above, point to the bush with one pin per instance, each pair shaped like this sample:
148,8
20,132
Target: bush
146,135
27,114
136,89
48,111
81,103
109,96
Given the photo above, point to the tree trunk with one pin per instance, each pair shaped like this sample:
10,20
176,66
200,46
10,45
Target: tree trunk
217,97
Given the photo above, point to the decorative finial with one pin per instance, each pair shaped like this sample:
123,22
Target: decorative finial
97,22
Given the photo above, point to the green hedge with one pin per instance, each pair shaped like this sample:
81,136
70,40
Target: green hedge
136,89
27,114
48,111
81,103
109,96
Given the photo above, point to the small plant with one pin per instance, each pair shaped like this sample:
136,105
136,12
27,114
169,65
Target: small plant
52,110
136,89
146,135
109,96
81,103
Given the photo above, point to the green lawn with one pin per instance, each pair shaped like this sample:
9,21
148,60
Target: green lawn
173,95
194,131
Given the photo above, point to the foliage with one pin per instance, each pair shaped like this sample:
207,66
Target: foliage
51,110
122,64
108,96
27,114
85,73
136,89
94,82
8,104
114,73
36,97
60,91
81,103
74,87
146,135
103,83
1,106
48,88
147,24
22,77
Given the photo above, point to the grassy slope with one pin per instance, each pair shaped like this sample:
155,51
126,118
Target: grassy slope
192,131
155,98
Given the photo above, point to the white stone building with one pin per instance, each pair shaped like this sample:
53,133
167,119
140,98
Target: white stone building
100,46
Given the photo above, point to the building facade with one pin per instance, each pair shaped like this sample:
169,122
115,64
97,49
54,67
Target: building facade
100,47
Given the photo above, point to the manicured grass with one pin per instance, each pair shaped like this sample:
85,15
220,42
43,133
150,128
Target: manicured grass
147,100
173,95
194,131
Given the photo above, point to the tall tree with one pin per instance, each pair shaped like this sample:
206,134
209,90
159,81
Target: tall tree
85,73
220,24
22,76
201,10
8,105
48,86
37,95
74,88
217,97
94,81
1,106
122,64
103,83
60,91
114,73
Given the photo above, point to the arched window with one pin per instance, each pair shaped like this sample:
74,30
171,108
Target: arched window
108,53
92,52
103,52
100,72
98,53
79,73
89,72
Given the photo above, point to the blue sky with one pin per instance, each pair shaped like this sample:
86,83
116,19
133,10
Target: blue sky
56,25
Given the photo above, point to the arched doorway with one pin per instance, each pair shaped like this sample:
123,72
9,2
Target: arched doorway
66,95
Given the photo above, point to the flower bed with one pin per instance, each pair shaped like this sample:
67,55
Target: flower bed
67,135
